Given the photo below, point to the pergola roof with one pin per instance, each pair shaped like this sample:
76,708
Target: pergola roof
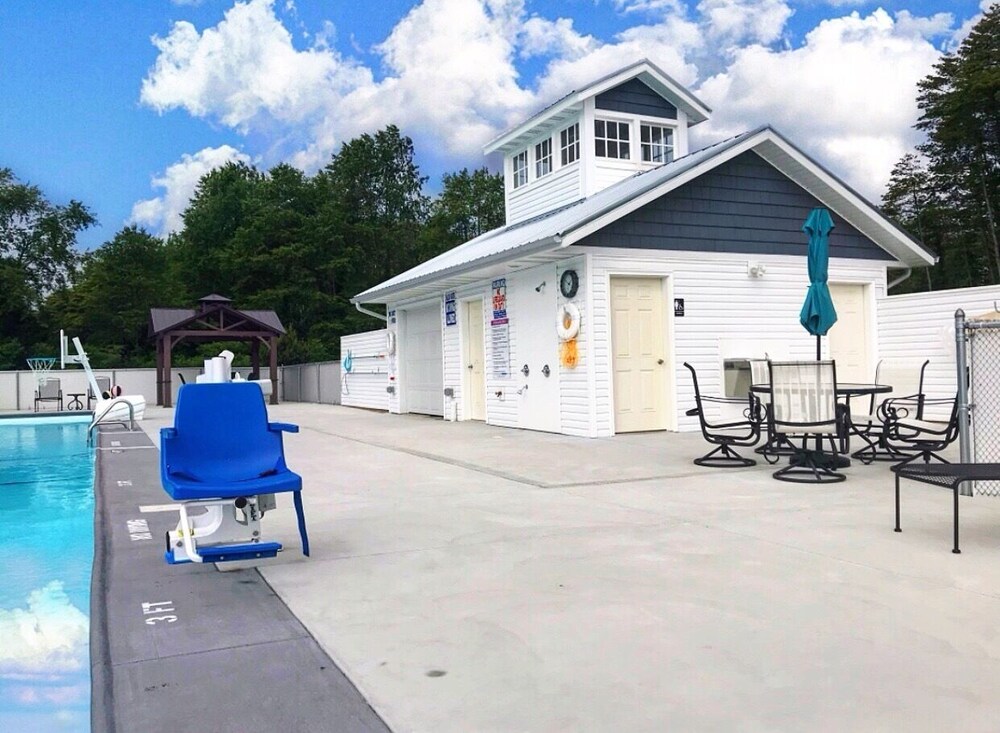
162,320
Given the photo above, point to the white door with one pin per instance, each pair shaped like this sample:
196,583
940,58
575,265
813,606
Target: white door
474,386
639,357
848,338
536,347
423,372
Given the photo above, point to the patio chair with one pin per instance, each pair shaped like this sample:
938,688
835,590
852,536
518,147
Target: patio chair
908,431
906,377
103,385
51,391
724,435
804,408
775,446
223,455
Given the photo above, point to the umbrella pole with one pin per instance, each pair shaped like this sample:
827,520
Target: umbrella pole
817,349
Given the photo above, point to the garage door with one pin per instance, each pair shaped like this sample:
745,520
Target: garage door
423,378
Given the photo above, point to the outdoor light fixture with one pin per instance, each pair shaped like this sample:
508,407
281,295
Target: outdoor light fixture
756,269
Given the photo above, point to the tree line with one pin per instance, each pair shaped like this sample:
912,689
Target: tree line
280,239
946,191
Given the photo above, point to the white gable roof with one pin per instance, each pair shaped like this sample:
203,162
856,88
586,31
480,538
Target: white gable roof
645,70
559,229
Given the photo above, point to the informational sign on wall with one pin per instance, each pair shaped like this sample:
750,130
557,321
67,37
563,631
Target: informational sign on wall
500,299
450,314
678,307
500,331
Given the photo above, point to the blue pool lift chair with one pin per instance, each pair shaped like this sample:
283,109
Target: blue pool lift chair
224,456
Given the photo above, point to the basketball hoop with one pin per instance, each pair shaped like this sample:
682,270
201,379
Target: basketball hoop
41,366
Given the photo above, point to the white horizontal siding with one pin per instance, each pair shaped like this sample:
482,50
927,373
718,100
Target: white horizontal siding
574,384
392,361
727,314
544,194
364,385
608,174
922,326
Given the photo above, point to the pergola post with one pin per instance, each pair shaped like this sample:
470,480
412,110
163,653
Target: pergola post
168,394
273,349
159,370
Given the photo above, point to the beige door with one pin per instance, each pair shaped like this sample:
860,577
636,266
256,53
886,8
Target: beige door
638,358
474,385
848,339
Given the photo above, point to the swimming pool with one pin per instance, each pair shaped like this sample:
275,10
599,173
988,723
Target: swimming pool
46,551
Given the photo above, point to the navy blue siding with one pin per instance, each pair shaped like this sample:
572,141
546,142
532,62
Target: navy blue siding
744,205
634,97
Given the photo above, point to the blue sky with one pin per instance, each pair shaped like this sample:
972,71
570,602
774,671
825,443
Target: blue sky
124,105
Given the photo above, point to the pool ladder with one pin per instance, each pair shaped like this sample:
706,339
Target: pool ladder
107,408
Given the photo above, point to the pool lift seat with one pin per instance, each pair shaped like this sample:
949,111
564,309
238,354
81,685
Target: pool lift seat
222,455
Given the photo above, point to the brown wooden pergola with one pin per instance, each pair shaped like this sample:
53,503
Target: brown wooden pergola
215,319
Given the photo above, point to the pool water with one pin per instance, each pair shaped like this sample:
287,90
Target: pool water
46,551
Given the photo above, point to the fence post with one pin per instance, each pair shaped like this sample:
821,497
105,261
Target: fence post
961,366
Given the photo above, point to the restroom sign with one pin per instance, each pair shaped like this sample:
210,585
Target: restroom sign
500,299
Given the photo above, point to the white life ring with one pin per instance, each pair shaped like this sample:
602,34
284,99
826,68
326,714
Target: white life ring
390,342
568,321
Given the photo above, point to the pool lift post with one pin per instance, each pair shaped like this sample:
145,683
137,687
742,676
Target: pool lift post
113,409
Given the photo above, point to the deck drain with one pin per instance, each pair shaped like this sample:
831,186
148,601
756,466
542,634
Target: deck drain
436,673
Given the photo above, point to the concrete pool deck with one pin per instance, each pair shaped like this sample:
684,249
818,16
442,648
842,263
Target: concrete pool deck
471,578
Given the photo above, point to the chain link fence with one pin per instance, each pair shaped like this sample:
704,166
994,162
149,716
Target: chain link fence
984,397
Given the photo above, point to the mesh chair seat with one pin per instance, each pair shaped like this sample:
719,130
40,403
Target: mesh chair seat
906,377
804,406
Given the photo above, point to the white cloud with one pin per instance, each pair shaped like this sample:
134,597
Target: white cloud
543,37
738,21
49,637
162,214
244,68
846,95
448,77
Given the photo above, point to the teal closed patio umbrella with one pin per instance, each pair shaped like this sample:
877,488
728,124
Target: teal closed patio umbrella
818,313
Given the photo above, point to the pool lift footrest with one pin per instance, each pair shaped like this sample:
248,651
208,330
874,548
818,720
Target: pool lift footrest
228,530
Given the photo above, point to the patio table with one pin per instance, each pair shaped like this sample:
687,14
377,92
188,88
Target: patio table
846,390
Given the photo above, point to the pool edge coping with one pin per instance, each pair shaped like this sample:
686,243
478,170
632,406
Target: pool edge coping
102,716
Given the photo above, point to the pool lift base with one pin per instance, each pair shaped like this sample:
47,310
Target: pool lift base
228,530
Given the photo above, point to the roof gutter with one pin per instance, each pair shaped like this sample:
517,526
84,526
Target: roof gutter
899,279
373,314
551,242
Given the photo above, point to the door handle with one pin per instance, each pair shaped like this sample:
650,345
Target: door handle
660,362
469,366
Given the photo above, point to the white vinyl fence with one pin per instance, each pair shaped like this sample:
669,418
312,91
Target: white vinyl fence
316,382
17,388
922,325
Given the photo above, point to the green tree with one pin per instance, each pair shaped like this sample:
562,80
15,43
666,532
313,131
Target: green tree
469,205
960,106
219,207
38,256
376,207
120,281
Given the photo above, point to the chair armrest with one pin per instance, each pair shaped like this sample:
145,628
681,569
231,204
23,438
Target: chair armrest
168,433
282,427
692,412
